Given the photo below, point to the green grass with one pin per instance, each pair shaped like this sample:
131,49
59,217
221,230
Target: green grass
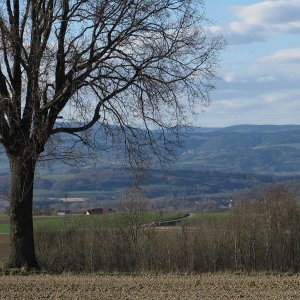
57,223
53,222
170,215
197,218
104,221
4,228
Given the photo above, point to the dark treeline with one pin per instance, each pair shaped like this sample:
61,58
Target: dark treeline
258,235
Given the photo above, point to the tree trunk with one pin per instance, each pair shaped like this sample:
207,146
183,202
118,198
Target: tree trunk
22,251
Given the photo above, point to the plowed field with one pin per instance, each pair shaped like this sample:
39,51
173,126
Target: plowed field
224,286
4,247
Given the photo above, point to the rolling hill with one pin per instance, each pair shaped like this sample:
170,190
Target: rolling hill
271,150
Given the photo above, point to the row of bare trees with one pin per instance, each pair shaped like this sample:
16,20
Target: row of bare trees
260,235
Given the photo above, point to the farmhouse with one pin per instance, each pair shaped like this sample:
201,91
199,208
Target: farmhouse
98,211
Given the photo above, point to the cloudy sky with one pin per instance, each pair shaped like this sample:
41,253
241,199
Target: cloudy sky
260,68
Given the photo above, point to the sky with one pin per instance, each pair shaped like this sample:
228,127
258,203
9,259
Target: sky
260,67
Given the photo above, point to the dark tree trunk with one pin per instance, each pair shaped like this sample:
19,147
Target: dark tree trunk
22,251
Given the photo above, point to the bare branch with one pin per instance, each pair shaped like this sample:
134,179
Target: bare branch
135,62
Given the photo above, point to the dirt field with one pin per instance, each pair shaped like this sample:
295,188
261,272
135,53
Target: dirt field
150,287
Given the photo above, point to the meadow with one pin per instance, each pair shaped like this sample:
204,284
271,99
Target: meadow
53,222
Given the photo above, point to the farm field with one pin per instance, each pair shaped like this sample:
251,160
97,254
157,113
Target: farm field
53,221
102,221
217,286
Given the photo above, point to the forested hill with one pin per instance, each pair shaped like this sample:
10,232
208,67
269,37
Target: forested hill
255,149
265,149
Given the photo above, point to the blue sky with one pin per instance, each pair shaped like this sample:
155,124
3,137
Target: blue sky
260,68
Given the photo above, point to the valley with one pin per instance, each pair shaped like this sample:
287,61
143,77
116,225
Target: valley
213,167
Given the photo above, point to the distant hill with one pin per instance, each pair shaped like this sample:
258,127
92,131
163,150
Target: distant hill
260,128
214,163
258,149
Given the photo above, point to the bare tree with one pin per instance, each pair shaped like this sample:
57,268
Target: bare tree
134,205
132,63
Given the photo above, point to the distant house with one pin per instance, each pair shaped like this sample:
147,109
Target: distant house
98,211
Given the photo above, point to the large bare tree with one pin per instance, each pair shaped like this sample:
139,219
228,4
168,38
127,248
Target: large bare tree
133,63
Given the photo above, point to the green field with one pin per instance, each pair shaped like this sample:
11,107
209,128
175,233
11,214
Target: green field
81,221
109,220
49,221
4,228
198,217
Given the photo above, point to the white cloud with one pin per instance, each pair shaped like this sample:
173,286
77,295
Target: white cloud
271,107
271,98
285,96
215,29
230,77
284,56
266,18
266,78
270,12
265,89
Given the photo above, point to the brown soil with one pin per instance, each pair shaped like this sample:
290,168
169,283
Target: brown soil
4,219
217,286
4,248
